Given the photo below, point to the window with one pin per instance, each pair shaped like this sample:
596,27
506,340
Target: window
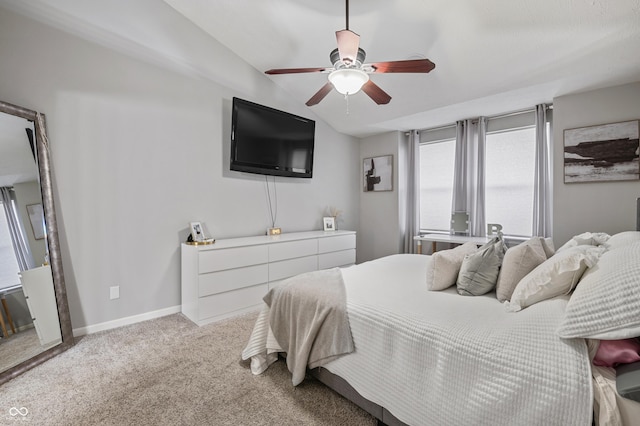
509,180
8,263
508,171
436,185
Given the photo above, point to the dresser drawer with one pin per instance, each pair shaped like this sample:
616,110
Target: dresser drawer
232,279
337,258
291,267
224,303
292,249
342,242
219,260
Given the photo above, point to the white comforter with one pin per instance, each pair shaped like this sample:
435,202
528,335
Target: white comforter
438,358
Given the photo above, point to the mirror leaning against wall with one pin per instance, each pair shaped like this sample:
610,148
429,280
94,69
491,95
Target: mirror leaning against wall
35,324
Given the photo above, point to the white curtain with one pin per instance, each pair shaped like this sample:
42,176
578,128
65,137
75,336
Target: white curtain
468,180
20,245
542,184
412,196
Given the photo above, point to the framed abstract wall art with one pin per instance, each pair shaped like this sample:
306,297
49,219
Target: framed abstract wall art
607,152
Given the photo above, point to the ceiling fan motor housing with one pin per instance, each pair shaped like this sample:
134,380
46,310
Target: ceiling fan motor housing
334,56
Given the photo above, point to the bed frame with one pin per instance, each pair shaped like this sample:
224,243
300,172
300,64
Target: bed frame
340,385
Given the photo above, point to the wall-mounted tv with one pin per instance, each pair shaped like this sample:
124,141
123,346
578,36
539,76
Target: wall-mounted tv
267,141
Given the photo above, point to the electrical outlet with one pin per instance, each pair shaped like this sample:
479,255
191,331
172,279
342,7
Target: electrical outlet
114,292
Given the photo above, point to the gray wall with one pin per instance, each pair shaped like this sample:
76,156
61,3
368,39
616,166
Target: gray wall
139,150
379,212
603,206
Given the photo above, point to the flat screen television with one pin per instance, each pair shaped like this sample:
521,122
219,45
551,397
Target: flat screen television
267,141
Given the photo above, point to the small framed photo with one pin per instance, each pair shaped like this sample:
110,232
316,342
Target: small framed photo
197,234
36,217
329,223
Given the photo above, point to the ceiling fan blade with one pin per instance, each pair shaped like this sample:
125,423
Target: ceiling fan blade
411,65
378,95
320,94
294,70
348,43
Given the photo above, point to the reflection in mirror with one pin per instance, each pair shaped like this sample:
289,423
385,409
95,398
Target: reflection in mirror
34,315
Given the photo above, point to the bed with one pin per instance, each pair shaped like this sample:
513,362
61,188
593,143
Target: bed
422,353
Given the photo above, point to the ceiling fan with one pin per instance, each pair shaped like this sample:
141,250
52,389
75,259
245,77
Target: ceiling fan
349,73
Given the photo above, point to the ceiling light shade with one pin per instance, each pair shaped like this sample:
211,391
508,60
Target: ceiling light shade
348,81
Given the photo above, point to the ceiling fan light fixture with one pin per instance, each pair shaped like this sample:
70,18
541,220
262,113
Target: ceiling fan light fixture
348,81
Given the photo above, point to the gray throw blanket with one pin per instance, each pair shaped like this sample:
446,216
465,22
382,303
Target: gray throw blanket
308,317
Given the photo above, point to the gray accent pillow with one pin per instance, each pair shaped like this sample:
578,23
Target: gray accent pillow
479,271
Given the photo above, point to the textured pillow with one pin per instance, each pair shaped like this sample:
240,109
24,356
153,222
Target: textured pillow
612,353
622,239
547,245
555,276
518,262
606,303
479,270
586,239
442,270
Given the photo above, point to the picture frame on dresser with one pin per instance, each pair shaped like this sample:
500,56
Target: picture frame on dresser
197,234
329,223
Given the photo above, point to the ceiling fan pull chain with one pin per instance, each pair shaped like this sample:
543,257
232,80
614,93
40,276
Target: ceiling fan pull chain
346,98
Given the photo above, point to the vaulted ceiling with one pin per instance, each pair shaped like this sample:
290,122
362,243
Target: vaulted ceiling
491,56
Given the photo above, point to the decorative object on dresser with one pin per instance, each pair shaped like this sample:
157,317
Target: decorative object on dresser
232,276
197,235
329,223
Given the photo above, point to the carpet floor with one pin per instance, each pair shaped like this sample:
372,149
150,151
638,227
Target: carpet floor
168,371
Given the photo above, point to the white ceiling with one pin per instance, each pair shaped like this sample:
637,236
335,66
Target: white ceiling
491,56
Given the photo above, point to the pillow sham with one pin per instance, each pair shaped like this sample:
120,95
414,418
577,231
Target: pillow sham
612,353
622,239
547,245
479,271
517,263
585,239
555,276
605,304
442,270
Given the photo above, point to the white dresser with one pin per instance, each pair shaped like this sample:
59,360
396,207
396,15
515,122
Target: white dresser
231,276
37,286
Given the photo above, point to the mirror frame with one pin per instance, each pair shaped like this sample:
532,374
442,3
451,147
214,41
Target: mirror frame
53,243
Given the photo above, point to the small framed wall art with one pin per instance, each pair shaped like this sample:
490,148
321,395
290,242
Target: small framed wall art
378,173
608,152
329,223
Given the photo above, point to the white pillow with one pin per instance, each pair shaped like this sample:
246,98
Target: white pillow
622,239
442,270
548,246
518,262
555,276
606,303
586,238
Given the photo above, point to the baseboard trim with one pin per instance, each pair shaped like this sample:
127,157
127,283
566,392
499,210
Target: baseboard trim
90,329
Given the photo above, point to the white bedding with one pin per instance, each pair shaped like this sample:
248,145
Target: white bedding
439,358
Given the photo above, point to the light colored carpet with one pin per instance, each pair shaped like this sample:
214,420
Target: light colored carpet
18,347
169,371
